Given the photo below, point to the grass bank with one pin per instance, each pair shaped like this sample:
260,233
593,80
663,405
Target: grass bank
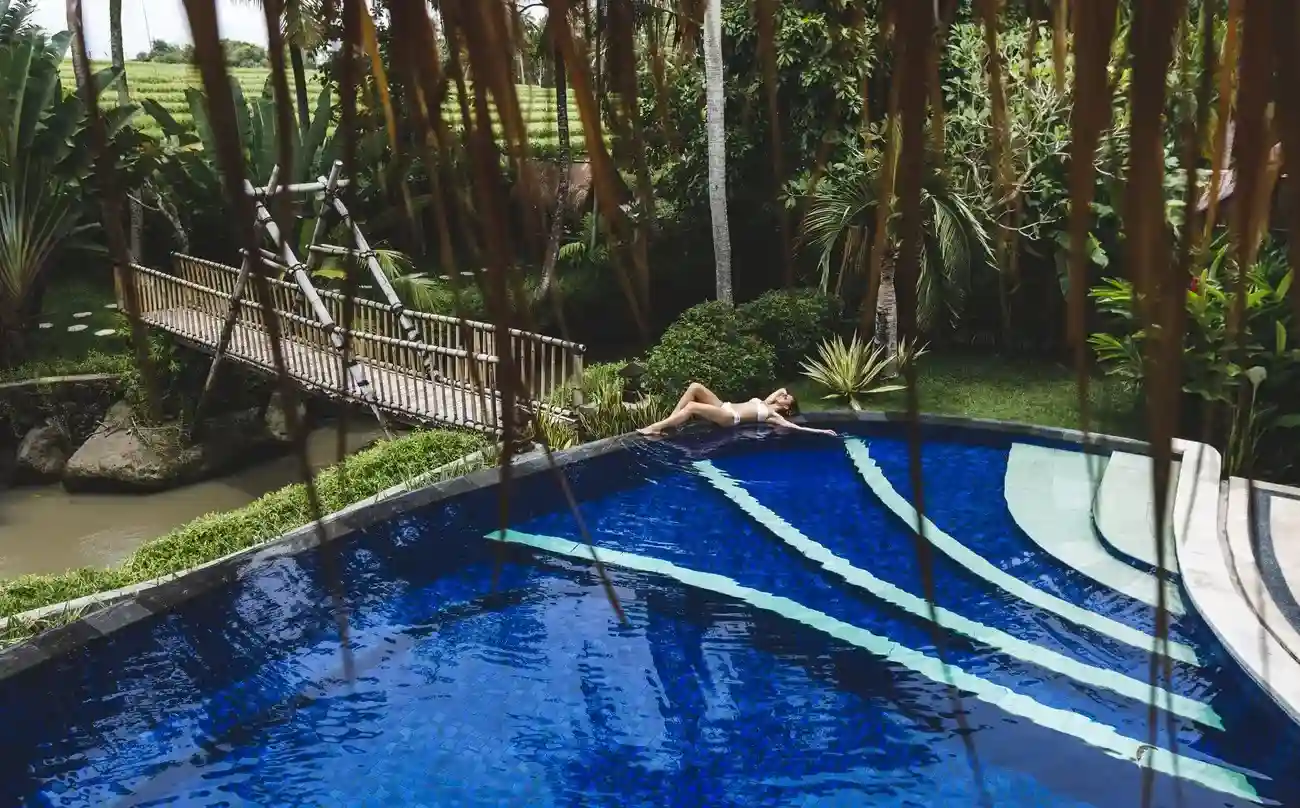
1025,391
210,537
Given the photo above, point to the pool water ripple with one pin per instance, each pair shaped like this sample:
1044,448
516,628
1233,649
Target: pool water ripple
534,694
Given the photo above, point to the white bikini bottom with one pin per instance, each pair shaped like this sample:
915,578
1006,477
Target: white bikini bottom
735,416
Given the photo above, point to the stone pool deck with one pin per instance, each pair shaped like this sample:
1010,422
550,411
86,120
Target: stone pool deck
1242,582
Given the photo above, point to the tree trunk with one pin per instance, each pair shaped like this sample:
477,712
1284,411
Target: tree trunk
562,187
124,98
300,87
886,335
715,102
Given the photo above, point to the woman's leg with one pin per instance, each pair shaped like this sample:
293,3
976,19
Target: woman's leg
693,409
699,393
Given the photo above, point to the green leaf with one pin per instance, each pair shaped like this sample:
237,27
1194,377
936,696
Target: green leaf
1285,285
169,125
1288,421
1279,337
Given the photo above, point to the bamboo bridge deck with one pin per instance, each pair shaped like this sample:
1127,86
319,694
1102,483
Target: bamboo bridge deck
447,377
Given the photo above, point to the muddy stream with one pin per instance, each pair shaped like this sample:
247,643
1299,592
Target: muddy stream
48,530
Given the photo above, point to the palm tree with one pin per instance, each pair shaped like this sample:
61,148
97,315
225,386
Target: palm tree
841,213
714,106
562,187
302,31
123,99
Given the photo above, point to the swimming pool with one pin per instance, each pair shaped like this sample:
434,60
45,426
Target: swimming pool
776,650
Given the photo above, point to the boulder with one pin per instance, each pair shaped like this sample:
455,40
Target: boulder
42,454
122,456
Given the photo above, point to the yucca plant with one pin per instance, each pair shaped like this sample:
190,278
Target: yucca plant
851,370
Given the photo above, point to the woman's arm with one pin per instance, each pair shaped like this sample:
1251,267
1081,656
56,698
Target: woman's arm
777,420
775,395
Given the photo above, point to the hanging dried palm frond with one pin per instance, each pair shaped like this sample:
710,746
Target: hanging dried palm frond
915,38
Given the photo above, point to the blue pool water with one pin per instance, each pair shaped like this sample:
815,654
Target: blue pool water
745,673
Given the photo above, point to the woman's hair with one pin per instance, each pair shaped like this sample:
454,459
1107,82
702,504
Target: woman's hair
793,409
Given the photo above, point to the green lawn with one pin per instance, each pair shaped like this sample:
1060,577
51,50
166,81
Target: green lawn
1026,391
57,351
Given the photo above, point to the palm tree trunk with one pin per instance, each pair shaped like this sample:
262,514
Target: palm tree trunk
886,335
562,187
124,98
715,102
300,87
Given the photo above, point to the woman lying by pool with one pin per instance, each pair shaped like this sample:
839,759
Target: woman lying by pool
700,402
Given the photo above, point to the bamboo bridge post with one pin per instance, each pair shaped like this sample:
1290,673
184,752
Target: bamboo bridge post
365,253
353,371
227,327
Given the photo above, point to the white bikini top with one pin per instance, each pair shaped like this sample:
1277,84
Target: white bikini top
761,411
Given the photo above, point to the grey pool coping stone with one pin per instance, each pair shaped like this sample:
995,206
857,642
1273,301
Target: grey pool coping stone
1201,540
1221,576
1279,564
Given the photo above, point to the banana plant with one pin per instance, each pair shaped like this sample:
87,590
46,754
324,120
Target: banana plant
46,188
257,122
185,178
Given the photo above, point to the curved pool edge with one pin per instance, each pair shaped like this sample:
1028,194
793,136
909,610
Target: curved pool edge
1211,586
1222,578
111,611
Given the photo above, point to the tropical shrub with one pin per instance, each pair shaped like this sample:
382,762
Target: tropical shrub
1243,392
840,223
604,414
47,199
711,344
793,322
854,369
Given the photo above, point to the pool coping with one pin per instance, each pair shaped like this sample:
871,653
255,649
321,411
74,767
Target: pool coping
1201,537
1216,565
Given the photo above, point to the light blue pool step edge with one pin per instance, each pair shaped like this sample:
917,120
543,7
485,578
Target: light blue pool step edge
995,638
1093,733
880,486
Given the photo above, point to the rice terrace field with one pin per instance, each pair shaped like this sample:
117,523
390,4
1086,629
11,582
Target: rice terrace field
167,83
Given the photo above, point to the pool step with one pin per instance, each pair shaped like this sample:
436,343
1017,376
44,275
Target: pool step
888,496
1049,493
1125,510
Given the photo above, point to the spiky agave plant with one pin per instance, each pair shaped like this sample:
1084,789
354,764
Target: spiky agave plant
850,370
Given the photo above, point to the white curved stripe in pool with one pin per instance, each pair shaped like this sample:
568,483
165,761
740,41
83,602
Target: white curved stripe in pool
992,637
894,501
1085,729
1126,509
1049,495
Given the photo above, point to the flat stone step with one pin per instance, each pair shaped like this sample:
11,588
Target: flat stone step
1125,510
1049,493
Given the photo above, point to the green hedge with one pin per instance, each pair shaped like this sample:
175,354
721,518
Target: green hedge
210,537
712,344
794,322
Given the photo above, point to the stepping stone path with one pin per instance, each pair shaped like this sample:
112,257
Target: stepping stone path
77,327
105,332
45,325
110,305
81,315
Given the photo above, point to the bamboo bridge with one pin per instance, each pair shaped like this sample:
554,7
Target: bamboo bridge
415,366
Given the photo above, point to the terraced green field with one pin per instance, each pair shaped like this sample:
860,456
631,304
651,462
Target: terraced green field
166,84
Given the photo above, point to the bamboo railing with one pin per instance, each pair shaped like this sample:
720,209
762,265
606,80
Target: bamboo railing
463,354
